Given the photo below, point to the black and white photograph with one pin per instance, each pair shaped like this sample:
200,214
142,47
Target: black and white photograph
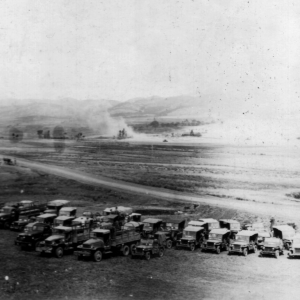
149,149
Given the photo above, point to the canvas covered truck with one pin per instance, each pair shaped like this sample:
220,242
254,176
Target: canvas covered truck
64,239
218,240
27,208
245,241
54,206
173,228
33,234
193,236
151,226
286,233
104,241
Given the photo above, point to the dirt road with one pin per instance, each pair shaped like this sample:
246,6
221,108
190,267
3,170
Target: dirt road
290,210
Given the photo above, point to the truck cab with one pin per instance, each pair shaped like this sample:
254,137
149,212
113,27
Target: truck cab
21,223
54,206
193,236
245,241
173,228
33,234
7,216
68,212
294,250
63,221
135,217
151,226
218,240
46,218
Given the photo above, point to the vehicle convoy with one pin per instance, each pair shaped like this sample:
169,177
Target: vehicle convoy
12,213
284,232
103,241
54,206
245,241
33,234
64,239
173,228
151,246
21,223
151,226
193,236
218,240
272,246
294,250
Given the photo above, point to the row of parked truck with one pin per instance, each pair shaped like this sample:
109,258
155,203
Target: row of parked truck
55,229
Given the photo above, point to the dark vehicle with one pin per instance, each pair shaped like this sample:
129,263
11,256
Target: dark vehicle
13,212
21,223
232,225
54,206
261,238
245,242
64,239
173,228
295,247
218,240
46,218
272,246
151,226
286,233
193,236
105,241
33,234
151,246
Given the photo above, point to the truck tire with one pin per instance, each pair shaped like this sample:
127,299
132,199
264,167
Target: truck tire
59,252
147,255
192,247
133,249
245,251
218,250
97,256
161,252
169,244
126,250
277,254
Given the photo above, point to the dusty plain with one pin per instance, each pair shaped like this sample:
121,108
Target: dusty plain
249,183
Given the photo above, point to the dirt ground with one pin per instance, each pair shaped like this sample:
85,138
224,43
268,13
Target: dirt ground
226,173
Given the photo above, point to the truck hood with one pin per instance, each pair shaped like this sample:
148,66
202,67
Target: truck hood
188,238
240,243
213,241
93,241
55,238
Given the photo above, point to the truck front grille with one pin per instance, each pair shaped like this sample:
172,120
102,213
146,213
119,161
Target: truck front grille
210,244
237,247
269,249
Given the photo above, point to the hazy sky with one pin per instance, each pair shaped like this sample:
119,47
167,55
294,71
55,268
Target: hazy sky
245,52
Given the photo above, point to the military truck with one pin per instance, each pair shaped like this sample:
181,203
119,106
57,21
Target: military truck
64,239
272,246
103,241
68,212
218,240
193,236
151,246
21,223
294,250
33,234
151,226
173,228
54,206
245,242
284,232
12,213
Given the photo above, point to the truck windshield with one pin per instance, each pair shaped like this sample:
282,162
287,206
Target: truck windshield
189,233
171,226
241,238
215,236
59,232
97,235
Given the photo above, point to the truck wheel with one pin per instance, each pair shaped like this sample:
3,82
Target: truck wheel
218,250
97,256
169,244
133,249
245,252
147,255
276,253
192,247
59,252
161,252
126,250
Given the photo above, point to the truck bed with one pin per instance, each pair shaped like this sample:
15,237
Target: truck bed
125,237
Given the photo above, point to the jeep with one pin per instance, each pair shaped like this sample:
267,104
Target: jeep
218,240
245,242
272,246
192,237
